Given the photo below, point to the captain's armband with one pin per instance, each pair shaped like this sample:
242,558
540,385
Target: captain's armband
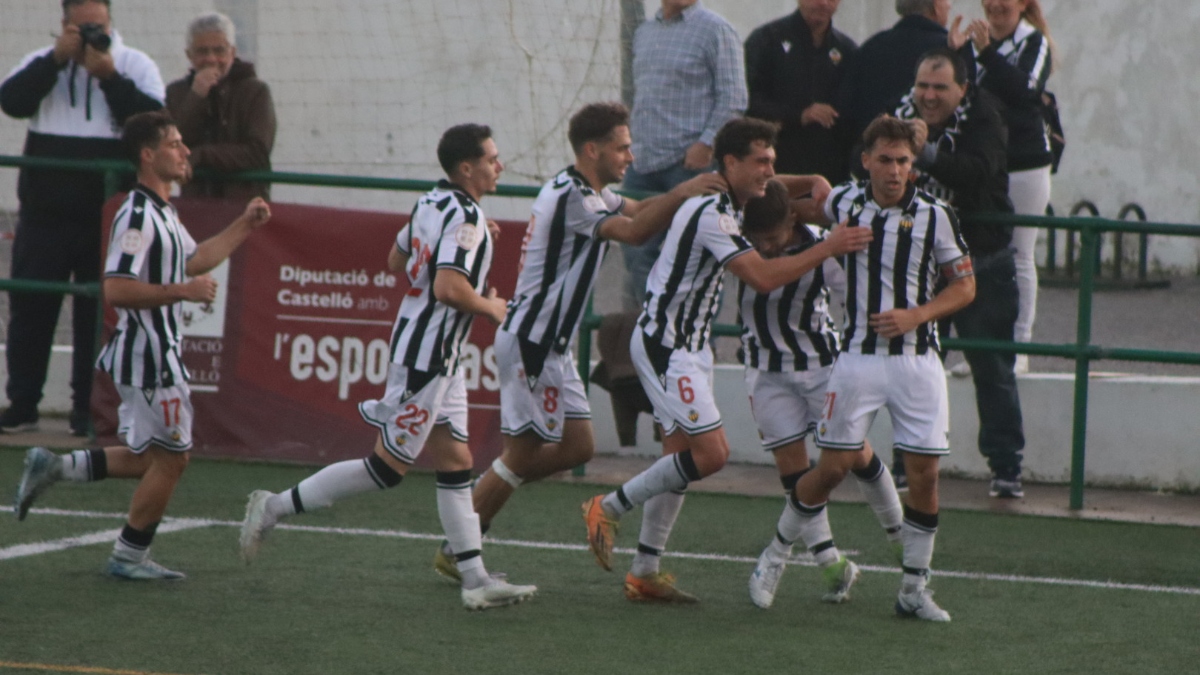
959,269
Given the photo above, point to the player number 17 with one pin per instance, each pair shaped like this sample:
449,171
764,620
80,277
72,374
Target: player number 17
167,405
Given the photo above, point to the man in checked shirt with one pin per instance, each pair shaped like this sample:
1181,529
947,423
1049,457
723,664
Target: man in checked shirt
689,80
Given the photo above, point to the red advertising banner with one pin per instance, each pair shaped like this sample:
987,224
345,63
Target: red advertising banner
298,336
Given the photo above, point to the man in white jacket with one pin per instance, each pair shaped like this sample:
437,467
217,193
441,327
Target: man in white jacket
76,94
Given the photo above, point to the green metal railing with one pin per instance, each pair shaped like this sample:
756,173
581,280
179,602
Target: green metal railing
1082,351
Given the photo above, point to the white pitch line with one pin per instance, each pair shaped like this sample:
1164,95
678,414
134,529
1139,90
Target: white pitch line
101,537
179,524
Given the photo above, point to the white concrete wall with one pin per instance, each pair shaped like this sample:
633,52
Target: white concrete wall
1137,433
365,86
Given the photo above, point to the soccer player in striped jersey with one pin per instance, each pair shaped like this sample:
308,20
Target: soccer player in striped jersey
789,344
153,264
889,356
544,411
671,348
445,250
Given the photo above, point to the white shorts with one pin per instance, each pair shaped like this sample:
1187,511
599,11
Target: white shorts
162,417
678,383
541,406
406,417
912,387
786,406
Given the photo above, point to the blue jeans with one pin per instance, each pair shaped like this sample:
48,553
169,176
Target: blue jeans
639,260
991,317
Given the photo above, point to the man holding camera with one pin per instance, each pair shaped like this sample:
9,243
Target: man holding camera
76,94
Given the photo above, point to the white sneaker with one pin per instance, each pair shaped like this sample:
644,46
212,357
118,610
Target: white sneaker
839,578
960,369
496,593
257,524
1021,367
920,605
42,469
144,570
765,579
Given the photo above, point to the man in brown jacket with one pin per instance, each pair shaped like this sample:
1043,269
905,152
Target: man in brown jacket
223,110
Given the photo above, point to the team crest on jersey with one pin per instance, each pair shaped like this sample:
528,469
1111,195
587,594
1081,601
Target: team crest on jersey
693,415
551,424
821,431
131,242
835,56
906,223
466,236
175,436
729,225
401,439
594,203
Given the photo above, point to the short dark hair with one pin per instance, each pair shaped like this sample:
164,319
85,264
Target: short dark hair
144,130
738,135
886,127
765,213
461,143
944,56
908,7
67,4
595,122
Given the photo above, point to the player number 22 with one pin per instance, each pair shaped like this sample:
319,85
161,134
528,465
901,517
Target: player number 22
412,419
167,405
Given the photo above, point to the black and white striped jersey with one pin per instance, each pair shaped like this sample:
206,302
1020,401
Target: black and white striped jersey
1026,49
790,329
560,255
148,244
913,239
448,231
685,282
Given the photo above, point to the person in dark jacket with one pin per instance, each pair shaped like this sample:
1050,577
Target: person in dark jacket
225,113
882,70
76,94
963,161
796,68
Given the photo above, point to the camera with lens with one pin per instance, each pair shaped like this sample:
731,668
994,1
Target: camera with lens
93,34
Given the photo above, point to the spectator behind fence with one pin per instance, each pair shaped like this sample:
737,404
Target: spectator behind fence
76,94
224,111
688,81
795,70
882,70
1012,54
962,160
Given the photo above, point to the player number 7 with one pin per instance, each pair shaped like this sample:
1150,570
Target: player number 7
830,397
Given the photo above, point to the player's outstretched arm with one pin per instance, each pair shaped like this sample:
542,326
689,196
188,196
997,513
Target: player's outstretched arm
766,274
452,288
813,186
959,294
653,215
134,294
213,251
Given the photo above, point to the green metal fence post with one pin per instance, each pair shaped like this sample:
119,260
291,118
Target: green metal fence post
1089,243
